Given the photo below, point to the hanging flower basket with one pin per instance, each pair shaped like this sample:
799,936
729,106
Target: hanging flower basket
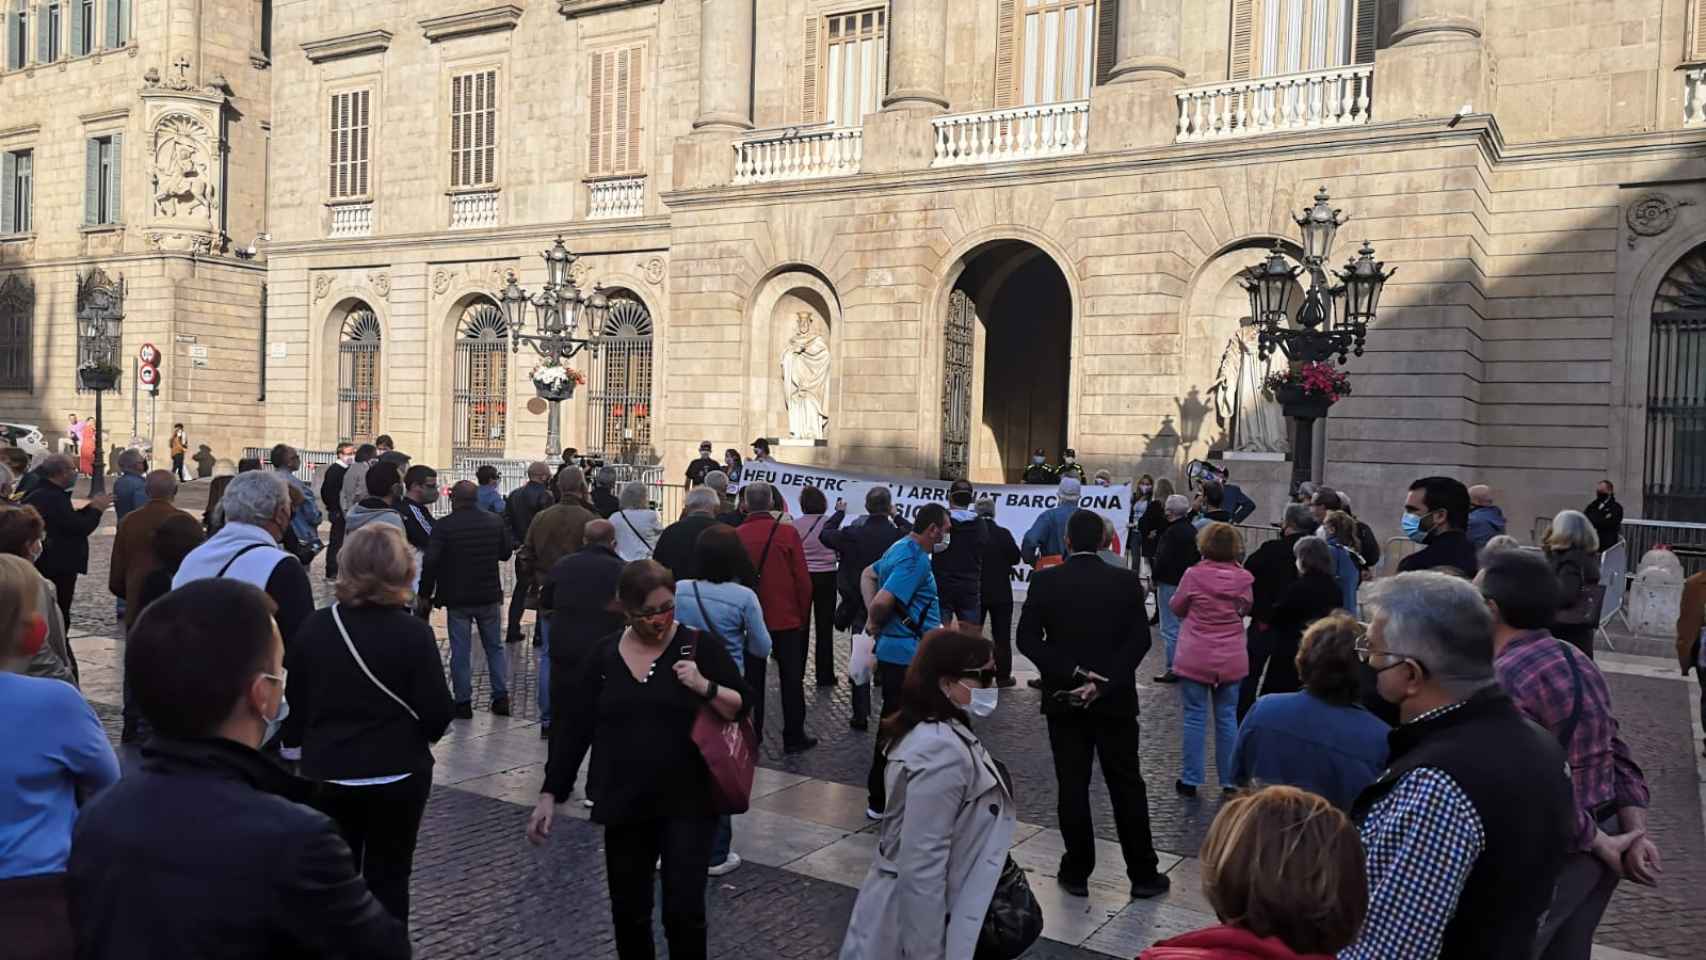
556,382
98,376
1307,391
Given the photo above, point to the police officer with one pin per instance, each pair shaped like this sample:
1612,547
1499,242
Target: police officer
1039,472
1069,466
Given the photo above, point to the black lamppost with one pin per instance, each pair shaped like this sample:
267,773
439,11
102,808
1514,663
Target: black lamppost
1332,322
558,310
98,320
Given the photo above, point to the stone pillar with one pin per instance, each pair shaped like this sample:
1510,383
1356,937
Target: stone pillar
1437,63
1149,42
1137,107
725,66
918,34
1436,21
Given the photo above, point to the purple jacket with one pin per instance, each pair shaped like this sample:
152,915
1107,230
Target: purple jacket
1211,603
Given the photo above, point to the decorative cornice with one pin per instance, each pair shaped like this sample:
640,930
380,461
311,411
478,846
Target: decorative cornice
653,233
349,45
471,22
103,116
580,8
23,130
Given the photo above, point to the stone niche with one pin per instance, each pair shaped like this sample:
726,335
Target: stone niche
796,365
185,151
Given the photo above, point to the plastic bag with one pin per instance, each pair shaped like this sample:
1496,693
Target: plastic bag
864,658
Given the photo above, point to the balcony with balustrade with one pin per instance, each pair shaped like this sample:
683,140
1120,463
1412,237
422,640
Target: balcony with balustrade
1012,133
351,220
1694,95
615,198
1340,96
471,210
798,153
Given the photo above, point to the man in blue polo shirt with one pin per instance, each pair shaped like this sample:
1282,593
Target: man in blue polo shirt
900,593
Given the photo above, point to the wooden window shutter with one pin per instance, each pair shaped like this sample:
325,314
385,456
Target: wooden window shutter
115,194
633,96
1367,31
91,181
359,146
810,99
597,162
75,11
482,107
111,33
44,33
334,129
1697,31
619,139
1006,53
8,192
1107,38
491,122
1243,54
458,136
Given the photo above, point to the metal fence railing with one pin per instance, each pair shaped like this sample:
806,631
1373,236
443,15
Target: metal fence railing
1686,540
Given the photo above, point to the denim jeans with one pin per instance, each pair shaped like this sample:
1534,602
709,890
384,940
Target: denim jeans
462,620
725,838
542,629
1195,697
1169,623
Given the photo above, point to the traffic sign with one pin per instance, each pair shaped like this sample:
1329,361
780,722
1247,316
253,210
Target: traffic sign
149,354
148,375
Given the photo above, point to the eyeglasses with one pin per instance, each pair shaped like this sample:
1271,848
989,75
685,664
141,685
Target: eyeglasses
645,614
276,678
1398,657
985,676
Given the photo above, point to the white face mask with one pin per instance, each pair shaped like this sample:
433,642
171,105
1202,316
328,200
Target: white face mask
277,720
983,699
943,545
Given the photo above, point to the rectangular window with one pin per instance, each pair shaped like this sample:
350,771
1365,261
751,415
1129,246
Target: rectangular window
1272,38
53,28
1057,50
17,175
348,135
851,67
83,28
473,130
118,23
615,95
18,36
103,188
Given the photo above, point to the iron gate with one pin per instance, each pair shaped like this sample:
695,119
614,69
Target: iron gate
358,376
480,394
956,386
619,385
1674,480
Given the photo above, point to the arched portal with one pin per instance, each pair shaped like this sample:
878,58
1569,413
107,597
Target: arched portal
358,375
480,394
619,384
1006,363
1674,473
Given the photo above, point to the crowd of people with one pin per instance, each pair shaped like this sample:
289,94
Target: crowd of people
1420,765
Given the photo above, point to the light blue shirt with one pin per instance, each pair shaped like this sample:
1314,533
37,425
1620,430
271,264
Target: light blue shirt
490,499
904,571
305,522
735,615
129,492
54,746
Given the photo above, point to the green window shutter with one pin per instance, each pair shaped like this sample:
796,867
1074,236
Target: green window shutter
8,192
11,30
1367,31
44,33
123,21
91,182
111,32
76,14
115,195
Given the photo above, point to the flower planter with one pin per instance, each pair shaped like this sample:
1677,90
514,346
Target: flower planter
1296,402
547,392
97,378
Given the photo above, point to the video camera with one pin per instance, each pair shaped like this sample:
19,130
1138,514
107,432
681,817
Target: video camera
1199,470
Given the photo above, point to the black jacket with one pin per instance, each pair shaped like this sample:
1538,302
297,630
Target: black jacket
1274,568
1607,519
1305,600
579,593
1513,773
65,550
1086,614
332,489
1000,553
1370,548
350,729
463,556
959,569
209,851
1238,503
1150,525
417,523
677,543
522,504
604,502
1449,548
1176,552
858,545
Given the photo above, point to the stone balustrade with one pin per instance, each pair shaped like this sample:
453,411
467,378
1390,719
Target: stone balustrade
1694,97
351,220
799,153
614,198
472,210
1293,101
1013,133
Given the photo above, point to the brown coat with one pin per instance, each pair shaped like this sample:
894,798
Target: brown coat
133,553
1693,618
554,534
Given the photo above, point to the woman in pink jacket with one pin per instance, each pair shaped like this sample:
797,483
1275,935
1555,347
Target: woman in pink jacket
1212,600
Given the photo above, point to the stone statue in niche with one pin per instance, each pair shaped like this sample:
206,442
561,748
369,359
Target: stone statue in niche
1250,421
805,374
183,174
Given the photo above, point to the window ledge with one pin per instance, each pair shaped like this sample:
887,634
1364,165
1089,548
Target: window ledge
17,237
350,45
349,201
466,191
93,228
580,8
65,60
491,20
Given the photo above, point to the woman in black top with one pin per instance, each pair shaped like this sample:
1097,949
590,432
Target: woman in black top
369,738
1313,595
646,685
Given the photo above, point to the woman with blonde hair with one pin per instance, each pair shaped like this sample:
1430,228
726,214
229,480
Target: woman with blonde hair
1572,548
367,680
54,757
1212,600
1283,870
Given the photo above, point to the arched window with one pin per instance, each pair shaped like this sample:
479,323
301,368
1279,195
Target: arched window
481,391
619,399
358,376
17,324
1674,483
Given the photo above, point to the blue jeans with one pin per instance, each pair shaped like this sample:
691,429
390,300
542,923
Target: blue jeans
489,619
724,839
1169,623
542,629
1195,697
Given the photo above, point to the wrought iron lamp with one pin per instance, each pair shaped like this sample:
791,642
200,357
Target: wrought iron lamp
100,315
558,311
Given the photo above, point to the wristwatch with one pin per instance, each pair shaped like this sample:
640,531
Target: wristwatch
711,689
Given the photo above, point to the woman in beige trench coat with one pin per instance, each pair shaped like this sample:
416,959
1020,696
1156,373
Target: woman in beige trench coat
949,822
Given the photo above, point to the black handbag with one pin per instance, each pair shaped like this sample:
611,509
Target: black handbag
1014,920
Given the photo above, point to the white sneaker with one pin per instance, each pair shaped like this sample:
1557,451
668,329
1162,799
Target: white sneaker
872,814
727,866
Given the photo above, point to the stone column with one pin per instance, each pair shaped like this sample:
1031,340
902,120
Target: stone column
725,65
1436,64
1137,107
1435,21
918,34
1149,42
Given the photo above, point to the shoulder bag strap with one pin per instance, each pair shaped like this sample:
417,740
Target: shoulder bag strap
765,555
704,614
624,515
363,664
235,557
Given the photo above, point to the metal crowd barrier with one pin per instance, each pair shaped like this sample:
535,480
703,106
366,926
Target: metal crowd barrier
1686,540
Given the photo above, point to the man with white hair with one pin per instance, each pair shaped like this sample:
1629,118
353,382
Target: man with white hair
1486,520
1045,542
676,545
1175,551
1465,832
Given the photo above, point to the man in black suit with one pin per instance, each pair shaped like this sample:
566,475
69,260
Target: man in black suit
579,595
1437,514
858,545
520,507
65,550
1085,627
331,494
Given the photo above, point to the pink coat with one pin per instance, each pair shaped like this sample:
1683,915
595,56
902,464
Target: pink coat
1211,603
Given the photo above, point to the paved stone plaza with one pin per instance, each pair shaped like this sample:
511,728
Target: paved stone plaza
481,890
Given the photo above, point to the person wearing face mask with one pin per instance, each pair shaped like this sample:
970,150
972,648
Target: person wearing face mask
705,464
1436,514
1038,472
207,818
1606,515
1085,627
950,823
420,491
1069,466
53,758
331,496
958,566
66,555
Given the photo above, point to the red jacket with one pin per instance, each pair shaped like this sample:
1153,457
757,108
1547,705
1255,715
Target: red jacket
1225,943
784,585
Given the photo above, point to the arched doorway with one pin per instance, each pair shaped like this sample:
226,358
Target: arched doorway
1674,473
1006,363
480,392
619,384
358,375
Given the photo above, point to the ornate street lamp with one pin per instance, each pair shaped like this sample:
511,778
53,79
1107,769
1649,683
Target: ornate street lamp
99,316
1322,332
558,310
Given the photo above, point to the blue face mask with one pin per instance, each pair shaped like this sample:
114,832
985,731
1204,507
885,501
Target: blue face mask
1412,526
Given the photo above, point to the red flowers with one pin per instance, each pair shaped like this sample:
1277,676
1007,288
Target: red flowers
1317,379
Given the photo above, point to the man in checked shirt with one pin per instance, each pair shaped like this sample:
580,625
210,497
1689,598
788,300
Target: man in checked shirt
1466,830
1560,688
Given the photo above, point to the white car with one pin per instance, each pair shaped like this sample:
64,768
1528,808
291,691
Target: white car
26,437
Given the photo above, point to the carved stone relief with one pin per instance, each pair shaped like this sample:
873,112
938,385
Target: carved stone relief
1652,214
654,270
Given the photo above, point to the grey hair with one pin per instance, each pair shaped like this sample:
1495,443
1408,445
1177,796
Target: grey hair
1177,505
1307,489
701,500
255,497
757,497
1571,529
130,458
718,481
635,495
985,507
571,480
57,464
160,485
1498,544
1109,532
1441,621
1313,553
1299,517
606,477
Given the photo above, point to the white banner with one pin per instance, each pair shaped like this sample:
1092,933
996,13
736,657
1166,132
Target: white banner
1017,507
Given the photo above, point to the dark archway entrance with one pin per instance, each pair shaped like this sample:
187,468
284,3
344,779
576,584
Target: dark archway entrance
1007,363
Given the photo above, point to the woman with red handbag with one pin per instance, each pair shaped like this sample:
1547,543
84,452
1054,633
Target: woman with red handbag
646,695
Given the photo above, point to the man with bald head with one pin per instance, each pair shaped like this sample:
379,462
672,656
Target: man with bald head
578,595
520,507
133,547
461,575
1485,520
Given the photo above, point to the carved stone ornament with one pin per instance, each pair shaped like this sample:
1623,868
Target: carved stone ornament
183,170
486,277
381,282
1652,214
580,273
322,286
654,270
440,282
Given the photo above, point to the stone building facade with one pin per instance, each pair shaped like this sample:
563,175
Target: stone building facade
133,151
930,236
